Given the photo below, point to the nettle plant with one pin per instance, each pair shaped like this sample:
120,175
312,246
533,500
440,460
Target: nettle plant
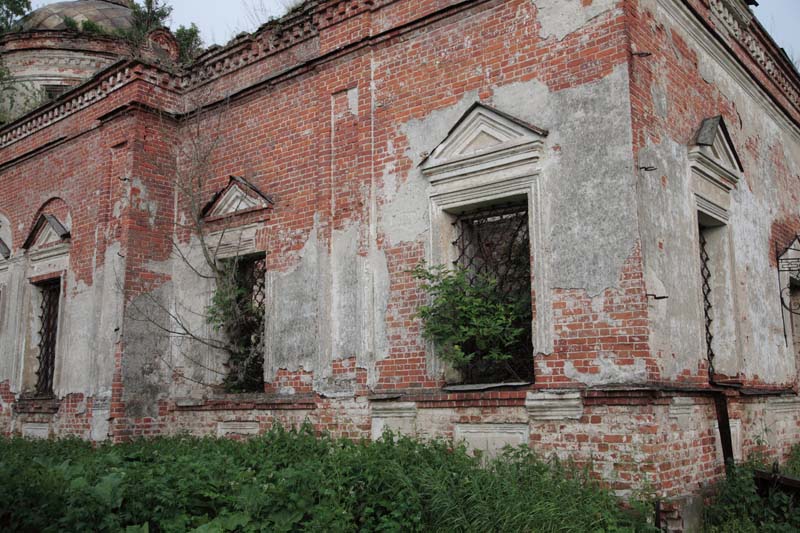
237,313
476,327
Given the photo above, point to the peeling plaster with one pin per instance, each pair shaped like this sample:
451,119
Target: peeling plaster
564,17
329,307
609,372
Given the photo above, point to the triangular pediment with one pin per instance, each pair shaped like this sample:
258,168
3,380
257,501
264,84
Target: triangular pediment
48,230
715,142
482,130
237,197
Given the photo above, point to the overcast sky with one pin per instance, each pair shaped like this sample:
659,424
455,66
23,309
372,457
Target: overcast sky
221,20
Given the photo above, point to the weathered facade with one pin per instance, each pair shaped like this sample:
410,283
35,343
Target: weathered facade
654,146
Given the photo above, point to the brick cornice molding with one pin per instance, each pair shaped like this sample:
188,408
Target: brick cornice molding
104,84
736,19
713,42
217,62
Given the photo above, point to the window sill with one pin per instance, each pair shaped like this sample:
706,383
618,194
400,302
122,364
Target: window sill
29,404
246,402
478,387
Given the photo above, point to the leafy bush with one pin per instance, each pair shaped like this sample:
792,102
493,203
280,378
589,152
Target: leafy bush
238,315
737,507
295,481
469,320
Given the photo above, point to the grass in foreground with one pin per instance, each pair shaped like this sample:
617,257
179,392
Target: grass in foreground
292,480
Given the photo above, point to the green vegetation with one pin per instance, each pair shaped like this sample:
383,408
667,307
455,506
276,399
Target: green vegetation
10,11
190,44
237,314
469,320
295,481
736,507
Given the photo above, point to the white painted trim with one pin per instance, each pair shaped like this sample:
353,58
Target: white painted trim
507,170
51,252
236,200
712,209
712,171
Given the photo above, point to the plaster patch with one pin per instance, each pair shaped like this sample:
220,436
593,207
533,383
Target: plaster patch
293,316
589,183
610,373
406,216
562,17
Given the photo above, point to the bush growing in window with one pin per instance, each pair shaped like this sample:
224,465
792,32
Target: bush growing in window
475,327
237,311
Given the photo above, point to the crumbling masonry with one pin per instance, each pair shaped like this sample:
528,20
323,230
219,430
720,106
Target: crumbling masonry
654,143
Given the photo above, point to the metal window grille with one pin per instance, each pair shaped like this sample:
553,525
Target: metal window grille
50,293
245,329
494,243
705,272
252,278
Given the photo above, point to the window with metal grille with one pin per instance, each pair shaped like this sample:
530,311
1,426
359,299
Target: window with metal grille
244,324
705,273
494,243
50,293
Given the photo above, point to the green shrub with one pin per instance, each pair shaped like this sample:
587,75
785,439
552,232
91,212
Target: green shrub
89,26
470,320
295,481
736,507
71,24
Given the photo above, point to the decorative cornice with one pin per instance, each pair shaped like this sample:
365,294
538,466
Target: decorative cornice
697,28
67,105
736,19
306,24
567,405
394,409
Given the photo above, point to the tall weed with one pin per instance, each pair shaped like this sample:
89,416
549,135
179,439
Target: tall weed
293,480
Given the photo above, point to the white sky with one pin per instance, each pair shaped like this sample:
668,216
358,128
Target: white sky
219,20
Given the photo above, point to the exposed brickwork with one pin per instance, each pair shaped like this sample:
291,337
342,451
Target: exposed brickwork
320,117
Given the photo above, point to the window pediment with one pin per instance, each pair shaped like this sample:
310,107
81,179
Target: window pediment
47,231
713,154
237,197
483,138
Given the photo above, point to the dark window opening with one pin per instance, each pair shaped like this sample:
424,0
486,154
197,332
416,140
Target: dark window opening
53,92
50,293
494,243
243,322
794,304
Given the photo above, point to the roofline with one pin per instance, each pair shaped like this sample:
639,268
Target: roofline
182,82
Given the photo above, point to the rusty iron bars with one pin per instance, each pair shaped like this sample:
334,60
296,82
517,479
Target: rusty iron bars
253,272
494,243
705,273
50,294
790,266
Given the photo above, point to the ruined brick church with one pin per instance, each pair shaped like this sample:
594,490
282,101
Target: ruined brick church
644,153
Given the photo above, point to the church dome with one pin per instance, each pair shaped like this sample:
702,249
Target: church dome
110,14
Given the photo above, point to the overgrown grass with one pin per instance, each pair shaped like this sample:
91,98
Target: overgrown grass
736,507
292,480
